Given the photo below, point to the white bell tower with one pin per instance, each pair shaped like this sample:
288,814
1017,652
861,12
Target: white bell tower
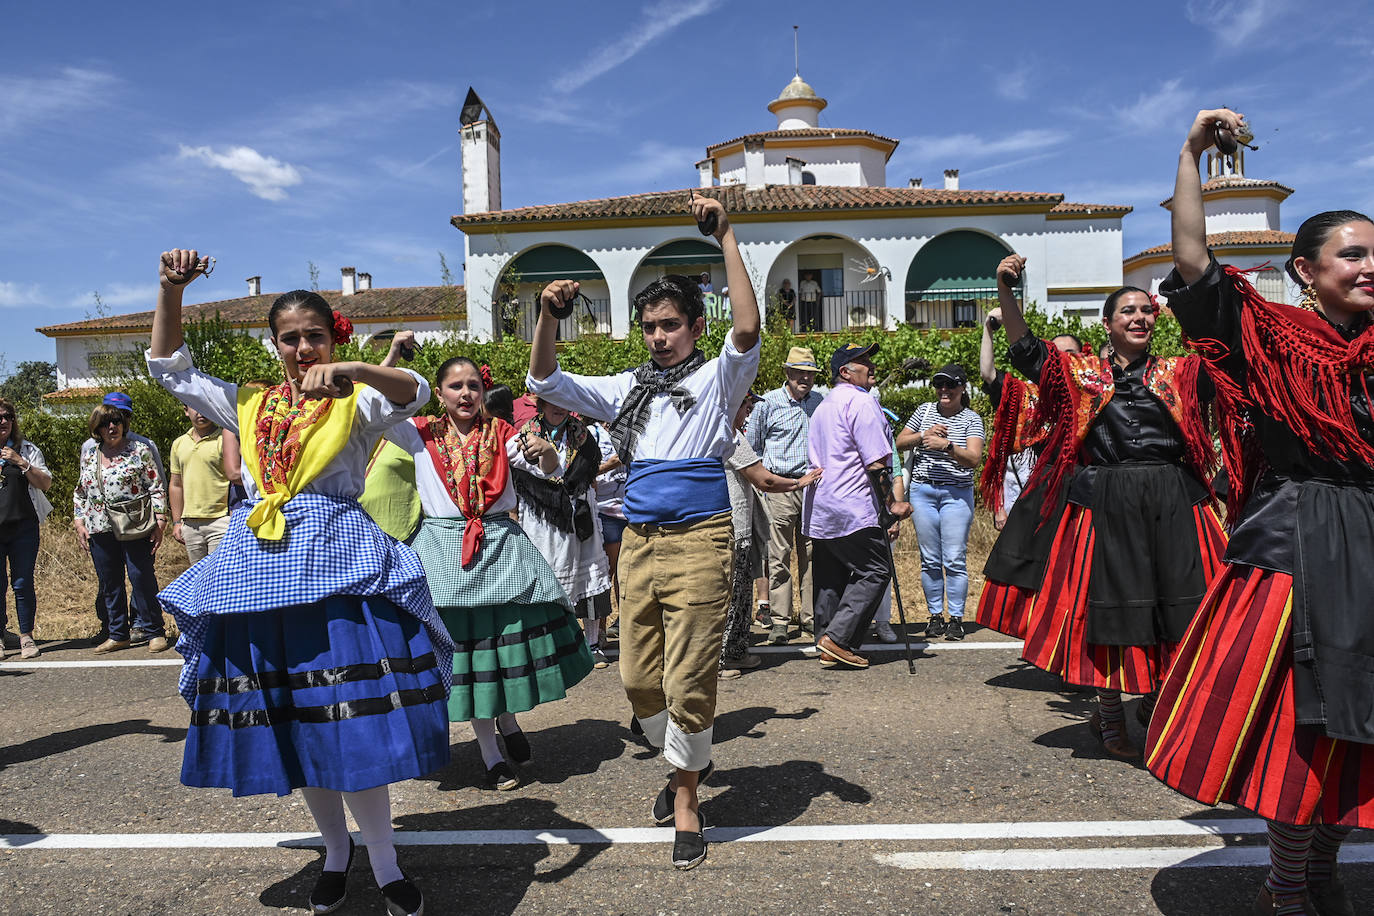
481,145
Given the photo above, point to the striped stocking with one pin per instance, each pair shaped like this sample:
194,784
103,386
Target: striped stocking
1326,843
1288,849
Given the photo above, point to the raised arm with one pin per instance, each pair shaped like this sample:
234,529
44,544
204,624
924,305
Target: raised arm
744,307
176,268
1009,272
987,363
543,353
1188,222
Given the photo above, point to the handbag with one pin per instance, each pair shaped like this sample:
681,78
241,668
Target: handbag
130,519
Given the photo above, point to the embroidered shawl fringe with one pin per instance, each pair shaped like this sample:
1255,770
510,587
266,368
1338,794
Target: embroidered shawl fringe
551,501
1010,435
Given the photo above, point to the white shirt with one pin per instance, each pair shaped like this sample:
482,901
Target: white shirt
434,496
702,432
610,486
217,400
809,289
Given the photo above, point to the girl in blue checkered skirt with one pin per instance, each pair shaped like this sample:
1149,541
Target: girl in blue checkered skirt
314,657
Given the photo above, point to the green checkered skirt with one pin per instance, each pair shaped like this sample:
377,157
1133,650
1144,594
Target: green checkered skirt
516,641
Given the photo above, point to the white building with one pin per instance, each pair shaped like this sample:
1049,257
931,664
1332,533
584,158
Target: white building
1242,229
805,200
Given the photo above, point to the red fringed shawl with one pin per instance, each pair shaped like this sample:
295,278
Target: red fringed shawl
1012,432
1075,387
474,471
1299,371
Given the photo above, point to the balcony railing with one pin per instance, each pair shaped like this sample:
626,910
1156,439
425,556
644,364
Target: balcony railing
856,308
949,308
593,318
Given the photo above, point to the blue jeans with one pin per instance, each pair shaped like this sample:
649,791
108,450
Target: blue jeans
19,551
943,516
111,557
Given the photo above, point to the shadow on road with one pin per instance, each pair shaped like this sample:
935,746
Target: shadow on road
18,830
744,723
573,749
493,880
72,739
774,795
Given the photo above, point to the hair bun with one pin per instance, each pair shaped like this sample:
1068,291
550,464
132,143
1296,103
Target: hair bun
343,328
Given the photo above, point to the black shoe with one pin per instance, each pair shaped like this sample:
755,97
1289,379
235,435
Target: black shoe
1142,715
403,898
955,631
763,616
332,886
663,803
689,847
501,778
518,747
935,626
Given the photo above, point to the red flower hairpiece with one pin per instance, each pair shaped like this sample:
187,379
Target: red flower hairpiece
485,371
343,328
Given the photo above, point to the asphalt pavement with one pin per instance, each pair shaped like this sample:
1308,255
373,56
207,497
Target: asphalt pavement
971,787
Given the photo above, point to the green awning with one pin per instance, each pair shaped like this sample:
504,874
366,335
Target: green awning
553,262
685,251
956,260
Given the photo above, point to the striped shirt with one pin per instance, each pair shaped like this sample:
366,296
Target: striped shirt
778,429
937,467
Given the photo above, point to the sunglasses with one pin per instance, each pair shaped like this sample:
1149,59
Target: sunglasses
7,417
949,384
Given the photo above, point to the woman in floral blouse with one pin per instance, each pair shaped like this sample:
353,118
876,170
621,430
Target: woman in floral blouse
121,469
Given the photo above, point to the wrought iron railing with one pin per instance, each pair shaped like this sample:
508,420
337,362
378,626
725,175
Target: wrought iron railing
855,308
950,308
591,317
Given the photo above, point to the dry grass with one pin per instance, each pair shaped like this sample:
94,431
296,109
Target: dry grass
66,583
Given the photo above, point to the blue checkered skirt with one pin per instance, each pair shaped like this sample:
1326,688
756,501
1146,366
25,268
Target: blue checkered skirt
318,660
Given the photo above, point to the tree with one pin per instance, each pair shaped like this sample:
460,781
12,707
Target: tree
27,385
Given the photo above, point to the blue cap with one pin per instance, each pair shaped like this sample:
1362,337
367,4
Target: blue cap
119,399
850,352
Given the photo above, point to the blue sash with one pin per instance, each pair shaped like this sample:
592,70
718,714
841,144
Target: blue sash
675,492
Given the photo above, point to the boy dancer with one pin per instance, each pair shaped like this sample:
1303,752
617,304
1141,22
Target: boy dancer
672,426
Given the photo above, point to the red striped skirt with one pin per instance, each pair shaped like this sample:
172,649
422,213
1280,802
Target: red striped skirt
1225,729
1056,630
1005,608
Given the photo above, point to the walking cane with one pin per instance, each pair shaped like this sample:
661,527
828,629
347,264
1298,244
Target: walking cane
885,516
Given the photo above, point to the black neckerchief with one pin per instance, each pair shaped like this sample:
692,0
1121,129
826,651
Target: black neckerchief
650,381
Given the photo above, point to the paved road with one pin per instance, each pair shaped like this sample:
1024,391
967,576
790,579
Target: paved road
972,787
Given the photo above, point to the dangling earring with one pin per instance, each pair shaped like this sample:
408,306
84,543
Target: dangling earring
1309,298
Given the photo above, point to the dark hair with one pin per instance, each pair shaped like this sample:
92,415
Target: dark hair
500,403
452,362
104,414
301,299
1109,307
677,289
15,434
1077,341
1314,232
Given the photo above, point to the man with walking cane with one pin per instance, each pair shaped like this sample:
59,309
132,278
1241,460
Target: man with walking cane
851,552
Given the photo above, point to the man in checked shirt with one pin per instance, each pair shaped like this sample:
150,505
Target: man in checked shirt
778,430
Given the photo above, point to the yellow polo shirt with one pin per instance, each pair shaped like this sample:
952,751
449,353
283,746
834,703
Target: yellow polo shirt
204,486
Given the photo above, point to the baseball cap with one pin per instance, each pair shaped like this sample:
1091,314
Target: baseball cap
850,352
118,399
953,371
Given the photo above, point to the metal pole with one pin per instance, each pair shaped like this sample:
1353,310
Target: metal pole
901,612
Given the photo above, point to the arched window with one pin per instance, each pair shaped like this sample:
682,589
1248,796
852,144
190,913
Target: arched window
808,177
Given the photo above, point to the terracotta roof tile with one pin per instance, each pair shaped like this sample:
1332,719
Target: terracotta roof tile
1102,209
365,305
74,394
804,133
1233,181
771,199
1229,240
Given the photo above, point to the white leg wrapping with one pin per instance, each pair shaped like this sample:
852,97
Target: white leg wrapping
654,726
687,752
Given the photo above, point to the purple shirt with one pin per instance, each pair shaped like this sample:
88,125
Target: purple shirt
848,433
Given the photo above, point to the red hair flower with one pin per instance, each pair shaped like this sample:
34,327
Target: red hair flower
343,328
485,371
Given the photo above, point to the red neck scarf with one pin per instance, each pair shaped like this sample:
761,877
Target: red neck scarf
1013,431
474,470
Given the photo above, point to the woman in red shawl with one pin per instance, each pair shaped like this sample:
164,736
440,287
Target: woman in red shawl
1270,702
517,644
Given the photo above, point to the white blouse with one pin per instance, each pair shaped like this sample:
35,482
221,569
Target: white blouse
433,494
217,400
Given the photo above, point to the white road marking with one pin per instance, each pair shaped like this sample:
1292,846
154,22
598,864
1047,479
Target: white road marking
97,663
1111,858
796,833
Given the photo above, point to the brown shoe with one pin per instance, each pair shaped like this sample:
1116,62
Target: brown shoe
831,649
158,644
1120,746
27,647
1268,903
110,645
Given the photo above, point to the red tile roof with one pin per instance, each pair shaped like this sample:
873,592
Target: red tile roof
804,133
74,394
1094,209
1259,237
771,199
369,305
1229,182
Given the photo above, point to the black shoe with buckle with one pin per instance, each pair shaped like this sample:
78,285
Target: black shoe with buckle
935,626
403,898
332,886
955,631
663,803
502,778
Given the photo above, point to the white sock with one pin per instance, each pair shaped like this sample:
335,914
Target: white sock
592,629
326,807
485,730
506,722
372,810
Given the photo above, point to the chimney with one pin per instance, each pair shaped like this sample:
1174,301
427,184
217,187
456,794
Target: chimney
951,179
364,282
753,165
913,182
481,148
349,281
794,170
255,286
706,173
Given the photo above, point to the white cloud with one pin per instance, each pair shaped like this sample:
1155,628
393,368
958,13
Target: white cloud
1156,110
265,176
17,295
1366,163
29,100
134,297
1013,84
927,150
1237,22
659,19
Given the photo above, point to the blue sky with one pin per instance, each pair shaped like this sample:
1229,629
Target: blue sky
276,134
